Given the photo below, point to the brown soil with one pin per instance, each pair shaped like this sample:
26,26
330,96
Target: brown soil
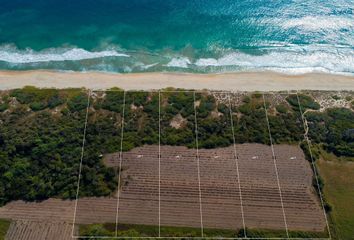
54,210
29,230
220,195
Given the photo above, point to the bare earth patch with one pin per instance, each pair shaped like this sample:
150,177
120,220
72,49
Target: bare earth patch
221,206
178,122
31,230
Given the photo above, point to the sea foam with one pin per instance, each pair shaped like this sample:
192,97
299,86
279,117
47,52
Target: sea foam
180,62
288,60
13,55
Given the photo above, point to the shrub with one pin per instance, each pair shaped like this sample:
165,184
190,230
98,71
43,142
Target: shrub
281,108
3,106
77,103
37,106
336,97
246,99
113,101
55,101
306,102
38,99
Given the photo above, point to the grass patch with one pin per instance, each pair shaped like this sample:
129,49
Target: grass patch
131,230
269,233
338,176
4,226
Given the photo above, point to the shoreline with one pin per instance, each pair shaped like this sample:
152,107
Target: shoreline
241,81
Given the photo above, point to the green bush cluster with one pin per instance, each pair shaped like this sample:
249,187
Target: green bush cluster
3,107
333,128
213,131
38,99
306,102
40,153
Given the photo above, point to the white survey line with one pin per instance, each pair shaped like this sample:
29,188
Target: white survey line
237,168
159,164
81,158
120,164
198,166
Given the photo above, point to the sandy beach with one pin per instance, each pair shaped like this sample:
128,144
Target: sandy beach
243,81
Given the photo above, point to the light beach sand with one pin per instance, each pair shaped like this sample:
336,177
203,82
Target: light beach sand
243,81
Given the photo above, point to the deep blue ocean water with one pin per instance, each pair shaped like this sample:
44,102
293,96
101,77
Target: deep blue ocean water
289,36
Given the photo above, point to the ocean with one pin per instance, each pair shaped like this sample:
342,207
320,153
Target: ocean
199,36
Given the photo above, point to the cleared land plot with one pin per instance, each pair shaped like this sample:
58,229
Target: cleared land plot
224,197
29,230
302,207
49,210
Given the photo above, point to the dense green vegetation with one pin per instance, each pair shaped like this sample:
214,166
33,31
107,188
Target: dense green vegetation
38,99
334,129
40,151
306,102
4,226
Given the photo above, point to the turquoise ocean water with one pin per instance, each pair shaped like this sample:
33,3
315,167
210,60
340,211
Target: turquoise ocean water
124,36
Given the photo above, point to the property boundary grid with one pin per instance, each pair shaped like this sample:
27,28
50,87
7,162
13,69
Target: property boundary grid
275,167
184,237
305,125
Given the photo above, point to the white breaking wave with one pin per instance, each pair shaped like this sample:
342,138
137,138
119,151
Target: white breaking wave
315,23
13,55
291,59
181,62
145,67
340,61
